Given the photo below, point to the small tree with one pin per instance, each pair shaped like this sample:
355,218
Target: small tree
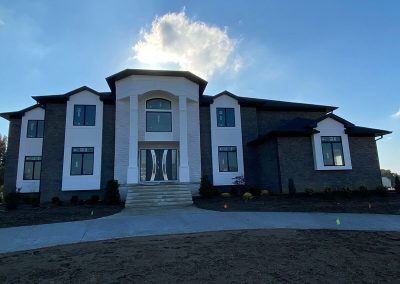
3,152
112,196
397,184
206,188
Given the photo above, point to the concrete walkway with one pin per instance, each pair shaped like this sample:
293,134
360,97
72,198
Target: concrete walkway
183,220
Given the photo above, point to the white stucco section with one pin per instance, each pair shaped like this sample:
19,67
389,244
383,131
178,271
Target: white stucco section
83,136
121,140
226,136
330,127
130,124
28,147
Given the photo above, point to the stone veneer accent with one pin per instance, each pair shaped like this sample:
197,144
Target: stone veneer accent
10,174
205,142
296,161
108,147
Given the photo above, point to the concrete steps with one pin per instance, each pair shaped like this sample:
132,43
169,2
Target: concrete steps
157,195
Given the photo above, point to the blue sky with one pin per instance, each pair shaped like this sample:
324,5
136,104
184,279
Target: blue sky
342,53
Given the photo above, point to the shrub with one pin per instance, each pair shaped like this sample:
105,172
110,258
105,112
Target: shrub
292,187
346,191
206,188
264,193
364,190
247,196
56,201
397,183
255,191
239,180
381,190
226,194
35,202
309,191
328,192
94,199
11,200
112,193
74,200
1,193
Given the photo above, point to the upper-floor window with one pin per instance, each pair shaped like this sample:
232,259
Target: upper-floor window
225,117
160,120
227,159
35,129
332,150
84,115
82,160
32,167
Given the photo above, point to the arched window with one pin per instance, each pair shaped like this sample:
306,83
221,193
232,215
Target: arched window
158,115
158,104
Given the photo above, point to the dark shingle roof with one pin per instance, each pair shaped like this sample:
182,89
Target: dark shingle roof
18,114
129,72
264,104
306,127
104,96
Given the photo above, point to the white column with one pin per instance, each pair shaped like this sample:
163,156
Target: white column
183,144
133,172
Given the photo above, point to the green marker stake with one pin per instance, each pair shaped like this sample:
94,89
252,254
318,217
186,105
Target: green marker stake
91,213
337,221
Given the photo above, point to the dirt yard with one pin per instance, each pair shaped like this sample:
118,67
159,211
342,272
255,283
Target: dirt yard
259,256
27,215
389,204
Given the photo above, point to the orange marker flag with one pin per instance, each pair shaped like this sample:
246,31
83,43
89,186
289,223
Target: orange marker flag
225,206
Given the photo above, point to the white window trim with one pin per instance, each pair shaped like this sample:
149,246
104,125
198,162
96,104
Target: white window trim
330,127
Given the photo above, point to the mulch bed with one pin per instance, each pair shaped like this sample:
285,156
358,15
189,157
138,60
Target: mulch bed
389,204
256,256
27,215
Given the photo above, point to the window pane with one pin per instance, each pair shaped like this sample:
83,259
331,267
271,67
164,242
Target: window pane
38,166
338,154
28,170
158,104
88,160
327,154
220,117
79,115
232,157
223,161
76,164
40,128
90,115
31,129
158,122
230,117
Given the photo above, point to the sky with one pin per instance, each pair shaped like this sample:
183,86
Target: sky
340,53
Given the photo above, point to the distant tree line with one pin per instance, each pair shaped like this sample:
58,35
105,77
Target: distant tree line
389,174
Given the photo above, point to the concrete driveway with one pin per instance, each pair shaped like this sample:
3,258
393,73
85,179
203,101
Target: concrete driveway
183,220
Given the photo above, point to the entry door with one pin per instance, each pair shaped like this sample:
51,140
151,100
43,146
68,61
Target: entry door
158,164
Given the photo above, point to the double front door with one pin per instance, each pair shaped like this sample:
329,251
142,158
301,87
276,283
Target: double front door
158,165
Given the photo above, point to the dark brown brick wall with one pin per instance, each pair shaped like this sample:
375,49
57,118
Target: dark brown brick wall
297,162
205,142
10,174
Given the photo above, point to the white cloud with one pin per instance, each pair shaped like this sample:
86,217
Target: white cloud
396,115
192,45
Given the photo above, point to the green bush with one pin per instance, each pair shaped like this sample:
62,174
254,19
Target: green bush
206,188
94,199
11,200
225,194
381,190
397,183
364,190
292,187
264,193
347,191
56,201
247,196
309,191
112,196
74,200
328,192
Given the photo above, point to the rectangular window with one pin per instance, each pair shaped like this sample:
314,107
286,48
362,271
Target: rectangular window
35,129
227,157
32,167
332,150
225,117
84,115
82,161
158,121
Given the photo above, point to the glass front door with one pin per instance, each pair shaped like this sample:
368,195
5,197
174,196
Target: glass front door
158,165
